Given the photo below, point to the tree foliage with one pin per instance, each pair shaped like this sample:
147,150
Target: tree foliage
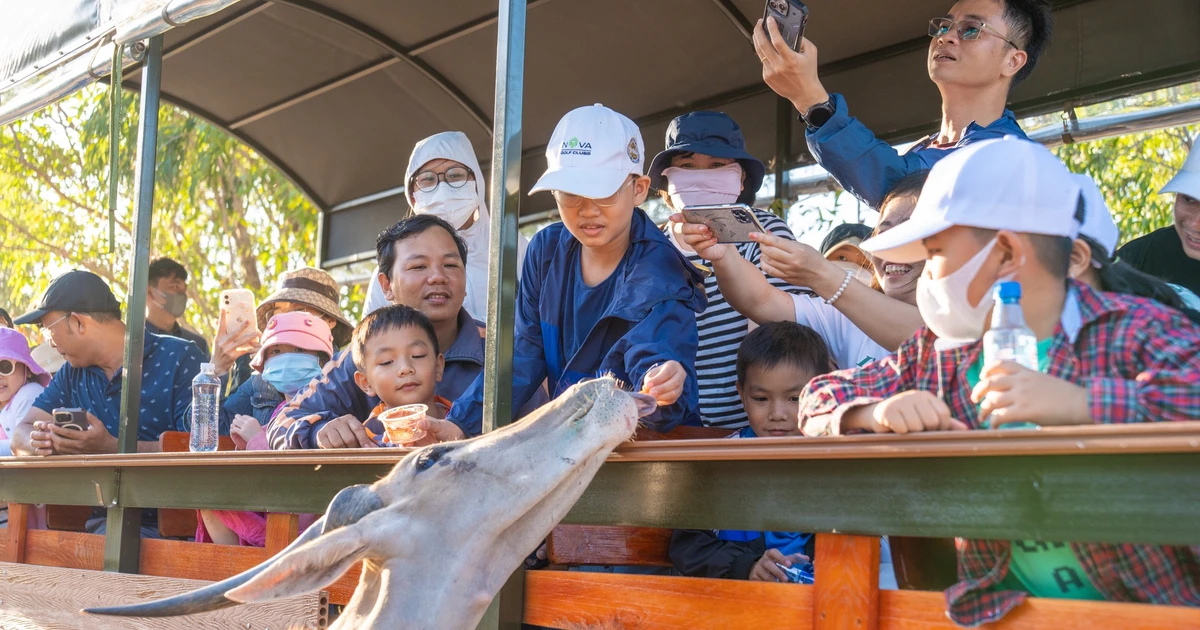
220,209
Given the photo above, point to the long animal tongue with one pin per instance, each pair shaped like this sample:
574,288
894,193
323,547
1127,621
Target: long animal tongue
645,404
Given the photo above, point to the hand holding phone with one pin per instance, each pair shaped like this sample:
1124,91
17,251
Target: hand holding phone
791,16
71,417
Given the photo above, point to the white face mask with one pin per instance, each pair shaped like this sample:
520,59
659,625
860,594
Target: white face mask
453,205
699,187
943,302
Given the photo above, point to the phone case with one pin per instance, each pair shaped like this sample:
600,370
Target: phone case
730,223
238,305
791,16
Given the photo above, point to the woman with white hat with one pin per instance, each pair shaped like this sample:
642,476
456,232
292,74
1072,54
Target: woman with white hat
444,179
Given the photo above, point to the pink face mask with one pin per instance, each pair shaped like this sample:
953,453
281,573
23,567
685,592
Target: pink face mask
699,187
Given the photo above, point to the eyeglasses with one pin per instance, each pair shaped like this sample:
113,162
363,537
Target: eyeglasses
571,201
7,367
456,177
46,334
968,29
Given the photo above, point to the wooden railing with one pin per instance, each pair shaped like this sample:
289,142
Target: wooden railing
1136,484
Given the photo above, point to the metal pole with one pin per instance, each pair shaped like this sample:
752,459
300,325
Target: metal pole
114,143
122,543
505,200
506,610
784,112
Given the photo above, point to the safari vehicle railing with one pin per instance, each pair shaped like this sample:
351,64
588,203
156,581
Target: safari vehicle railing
1128,484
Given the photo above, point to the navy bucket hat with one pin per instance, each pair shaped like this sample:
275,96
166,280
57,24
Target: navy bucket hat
710,133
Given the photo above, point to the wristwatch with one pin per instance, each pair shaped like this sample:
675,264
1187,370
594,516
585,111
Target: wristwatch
818,114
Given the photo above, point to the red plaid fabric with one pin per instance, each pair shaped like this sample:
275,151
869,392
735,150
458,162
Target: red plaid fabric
1138,361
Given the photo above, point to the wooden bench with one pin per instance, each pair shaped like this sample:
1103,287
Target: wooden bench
182,523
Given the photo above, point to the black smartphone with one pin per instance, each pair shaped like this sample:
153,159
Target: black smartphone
71,417
790,16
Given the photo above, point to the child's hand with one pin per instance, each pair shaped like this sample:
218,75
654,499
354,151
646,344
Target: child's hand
1010,392
344,432
438,431
765,570
701,239
665,382
243,429
909,412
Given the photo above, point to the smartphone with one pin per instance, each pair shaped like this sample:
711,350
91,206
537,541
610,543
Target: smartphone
791,16
730,223
238,308
72,417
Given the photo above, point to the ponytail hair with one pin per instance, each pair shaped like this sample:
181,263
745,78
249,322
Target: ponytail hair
1117,276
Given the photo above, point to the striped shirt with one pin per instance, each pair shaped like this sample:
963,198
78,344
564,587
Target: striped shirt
721,332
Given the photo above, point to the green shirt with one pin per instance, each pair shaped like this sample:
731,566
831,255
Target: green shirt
1040,568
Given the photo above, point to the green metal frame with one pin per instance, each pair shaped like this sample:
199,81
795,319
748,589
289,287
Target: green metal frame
1150,498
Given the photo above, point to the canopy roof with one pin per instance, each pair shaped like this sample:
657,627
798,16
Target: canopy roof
336,93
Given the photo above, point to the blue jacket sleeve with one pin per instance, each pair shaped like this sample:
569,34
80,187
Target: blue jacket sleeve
863,164
668,333
331,395
529,359
239,403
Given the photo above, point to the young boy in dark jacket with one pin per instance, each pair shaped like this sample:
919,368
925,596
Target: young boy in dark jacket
774,364
603,292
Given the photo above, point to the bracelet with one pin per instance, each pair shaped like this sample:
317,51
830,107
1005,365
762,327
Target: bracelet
842,289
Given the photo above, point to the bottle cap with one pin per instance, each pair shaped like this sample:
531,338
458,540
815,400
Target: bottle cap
1007,291
207,367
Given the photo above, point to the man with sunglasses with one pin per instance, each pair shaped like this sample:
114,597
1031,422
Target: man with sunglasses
603,292
978,53
81,319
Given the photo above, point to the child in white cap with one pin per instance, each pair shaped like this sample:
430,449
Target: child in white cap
1008,210
1173,253
603,292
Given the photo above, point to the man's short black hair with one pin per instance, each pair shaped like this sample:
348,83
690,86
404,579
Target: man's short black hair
1052,252
6,318
1030,26
166,268
385,244
784,343
391,317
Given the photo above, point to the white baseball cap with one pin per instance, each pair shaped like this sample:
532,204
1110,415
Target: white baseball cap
592,152
1005,184
1187,180
1098,222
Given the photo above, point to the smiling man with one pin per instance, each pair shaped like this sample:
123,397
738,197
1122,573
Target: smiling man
421,265
1173,253
979,51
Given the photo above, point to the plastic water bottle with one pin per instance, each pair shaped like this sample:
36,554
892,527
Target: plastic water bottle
206,410
1009,339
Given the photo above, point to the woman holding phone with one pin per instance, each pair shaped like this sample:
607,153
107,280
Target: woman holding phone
705,162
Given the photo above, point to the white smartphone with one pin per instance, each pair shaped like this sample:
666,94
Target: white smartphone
238,307
730,223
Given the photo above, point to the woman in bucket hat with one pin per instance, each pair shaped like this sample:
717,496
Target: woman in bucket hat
705,162
295,345
308,290
21,380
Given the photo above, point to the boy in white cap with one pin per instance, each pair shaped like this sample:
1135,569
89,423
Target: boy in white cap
1173,253
603,292
1008,210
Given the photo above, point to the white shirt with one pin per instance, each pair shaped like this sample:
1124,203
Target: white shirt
849,346
15,411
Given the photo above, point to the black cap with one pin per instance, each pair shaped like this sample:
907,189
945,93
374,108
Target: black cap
843,233
75,292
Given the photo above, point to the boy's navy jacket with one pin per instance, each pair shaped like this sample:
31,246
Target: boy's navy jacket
650,320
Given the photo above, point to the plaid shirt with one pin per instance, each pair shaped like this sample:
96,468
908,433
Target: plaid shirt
1137,360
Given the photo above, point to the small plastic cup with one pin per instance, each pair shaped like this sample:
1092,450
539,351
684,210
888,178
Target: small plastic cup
400,423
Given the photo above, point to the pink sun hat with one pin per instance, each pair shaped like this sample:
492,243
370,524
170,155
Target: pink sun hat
300,329
14,347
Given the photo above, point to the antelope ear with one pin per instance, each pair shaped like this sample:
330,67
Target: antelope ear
305,569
